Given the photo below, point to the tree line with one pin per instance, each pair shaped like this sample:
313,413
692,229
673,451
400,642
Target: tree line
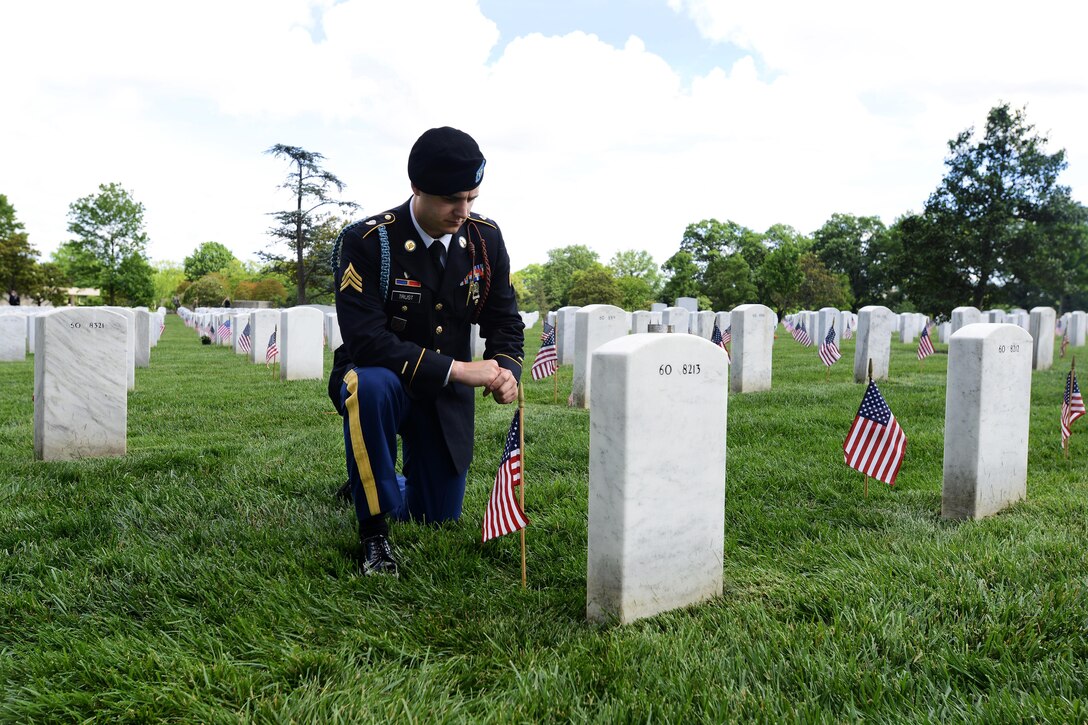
999,231
107,251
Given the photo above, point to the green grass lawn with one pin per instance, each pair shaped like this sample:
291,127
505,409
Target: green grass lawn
210,575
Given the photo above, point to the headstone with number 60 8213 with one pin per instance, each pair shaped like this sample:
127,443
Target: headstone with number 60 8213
656,475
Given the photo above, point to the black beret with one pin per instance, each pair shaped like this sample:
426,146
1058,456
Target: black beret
445,161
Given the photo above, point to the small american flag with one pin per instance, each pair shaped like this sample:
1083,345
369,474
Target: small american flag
162,325
925,343
720,339
829,351
224,330
875,444
273,351
243,341
503,515
801,335
1072,406
848,333
1064,345
717,337
546,362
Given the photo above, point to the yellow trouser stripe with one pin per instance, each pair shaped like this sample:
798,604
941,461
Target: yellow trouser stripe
358,446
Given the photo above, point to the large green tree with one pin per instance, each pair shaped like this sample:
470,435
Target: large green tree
17,258
820,287
109,226
557,273
729,282
854,246
684,278
312,188
780,276
317,270
999,228
207,258
594,286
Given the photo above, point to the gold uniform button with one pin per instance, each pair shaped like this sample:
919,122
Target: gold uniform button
438,307
438,330
404,308
437,350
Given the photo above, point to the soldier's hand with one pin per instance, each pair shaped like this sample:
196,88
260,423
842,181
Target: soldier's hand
504,388
486,374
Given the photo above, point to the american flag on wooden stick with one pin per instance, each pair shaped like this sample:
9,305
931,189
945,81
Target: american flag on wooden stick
243,341
1072,406
925,343
546,361
273,350
801,335
224,330
875,444
1064,345
503,515
829,351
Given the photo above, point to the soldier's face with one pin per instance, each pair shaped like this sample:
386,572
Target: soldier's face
439,215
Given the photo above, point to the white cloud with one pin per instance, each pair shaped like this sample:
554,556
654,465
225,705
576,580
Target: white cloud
841,107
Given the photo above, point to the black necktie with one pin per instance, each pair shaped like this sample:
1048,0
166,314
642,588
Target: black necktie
438,254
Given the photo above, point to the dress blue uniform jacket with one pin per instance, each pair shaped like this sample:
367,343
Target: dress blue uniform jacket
394,311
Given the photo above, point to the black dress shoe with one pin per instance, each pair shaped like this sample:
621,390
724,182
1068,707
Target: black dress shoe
378,556
344,492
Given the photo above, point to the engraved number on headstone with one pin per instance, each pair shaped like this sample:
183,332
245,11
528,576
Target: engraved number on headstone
690,369
1011,348
97,325
75,325
665,370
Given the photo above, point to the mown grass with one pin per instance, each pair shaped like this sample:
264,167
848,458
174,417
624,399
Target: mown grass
210,575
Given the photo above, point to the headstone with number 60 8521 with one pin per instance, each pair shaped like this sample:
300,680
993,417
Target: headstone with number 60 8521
80,384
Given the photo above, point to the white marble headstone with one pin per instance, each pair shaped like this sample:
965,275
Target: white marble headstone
640,321
332,331
594,325
1078,320
874,342
12,338
130,343
1041,329
564,335
80,384
658,307
825,317
704,323
677,318
752,346
302,352
656,511
688,303
987,409
964,316
142,346
238,323
263,323
477,344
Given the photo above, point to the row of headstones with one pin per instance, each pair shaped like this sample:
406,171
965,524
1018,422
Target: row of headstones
672,391
18,332
582,330
85,361
302,333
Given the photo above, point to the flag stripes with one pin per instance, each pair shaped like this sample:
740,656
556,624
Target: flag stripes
503,514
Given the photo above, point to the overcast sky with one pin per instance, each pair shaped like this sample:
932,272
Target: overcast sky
605,123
